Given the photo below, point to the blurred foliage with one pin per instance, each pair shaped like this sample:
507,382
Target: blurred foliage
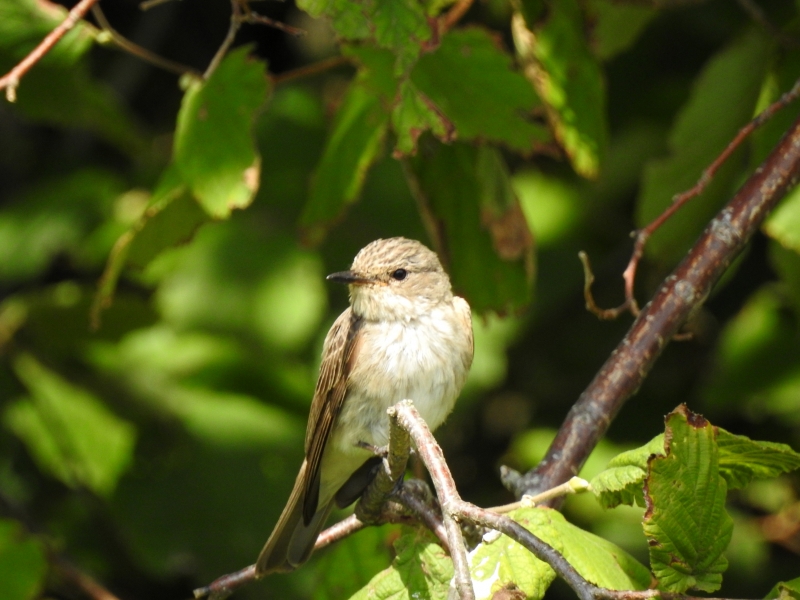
164,242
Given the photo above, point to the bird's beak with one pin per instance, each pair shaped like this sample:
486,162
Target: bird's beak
349,277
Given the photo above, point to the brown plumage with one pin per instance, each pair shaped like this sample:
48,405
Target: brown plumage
404,336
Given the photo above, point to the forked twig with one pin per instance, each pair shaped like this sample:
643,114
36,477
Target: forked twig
143,53
10,81
641,236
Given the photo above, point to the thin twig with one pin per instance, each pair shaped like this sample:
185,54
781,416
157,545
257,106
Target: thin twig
576,485
454,15
642,235
236,23
137,50
310,70
148,4
81,581
257,19
10,81
759,16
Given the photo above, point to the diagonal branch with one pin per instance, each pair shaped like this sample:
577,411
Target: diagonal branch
10,81
681,293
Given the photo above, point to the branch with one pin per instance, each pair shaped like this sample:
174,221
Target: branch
10,81
681,293
678,201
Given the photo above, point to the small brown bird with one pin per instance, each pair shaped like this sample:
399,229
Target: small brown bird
405,335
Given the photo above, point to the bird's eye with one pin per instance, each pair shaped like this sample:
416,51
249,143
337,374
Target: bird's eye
400,274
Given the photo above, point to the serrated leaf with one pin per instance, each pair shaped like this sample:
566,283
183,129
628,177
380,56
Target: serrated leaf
731,79
413,115
23,563
460,187
401,26
619,485
214,148
741,460
421,570
686,523
471,82
68,431
621,482
354,144
568,79
397,25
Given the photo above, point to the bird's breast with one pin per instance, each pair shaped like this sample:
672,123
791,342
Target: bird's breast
425,360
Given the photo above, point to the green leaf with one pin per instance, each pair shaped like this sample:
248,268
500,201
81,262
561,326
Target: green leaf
497,563
214,148
467,196
568,79
731,79
401,26
470,81
352,562
617,26
397,25
686,524
52,218
68,431
23,563
741,460
413,115
783,225
501,562
758,360
354,144
171,218
621,482
785,590
421,570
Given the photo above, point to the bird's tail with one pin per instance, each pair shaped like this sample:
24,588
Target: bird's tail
292,540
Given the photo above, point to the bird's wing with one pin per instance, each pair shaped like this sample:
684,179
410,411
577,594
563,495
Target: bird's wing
338,356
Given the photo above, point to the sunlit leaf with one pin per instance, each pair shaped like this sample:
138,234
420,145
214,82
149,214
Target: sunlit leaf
686,524
621,482
421,569
741,460
214,148
785,590
23,563
783,224
69,432
757,363
568,79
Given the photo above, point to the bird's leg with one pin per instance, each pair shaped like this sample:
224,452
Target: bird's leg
382,451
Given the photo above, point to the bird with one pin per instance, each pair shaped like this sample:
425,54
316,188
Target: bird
405,335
